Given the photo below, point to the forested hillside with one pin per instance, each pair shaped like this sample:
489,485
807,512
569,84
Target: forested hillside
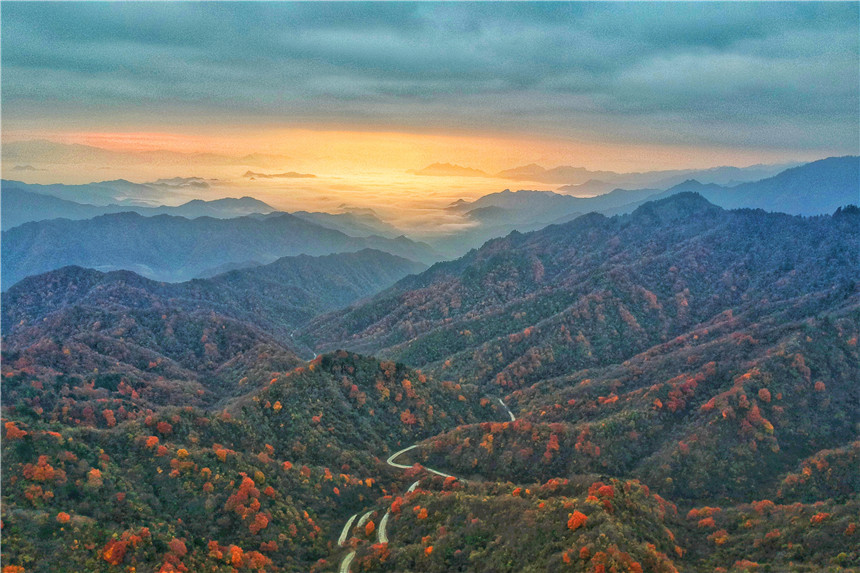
277,297
261,484
597,290
145,344
669,390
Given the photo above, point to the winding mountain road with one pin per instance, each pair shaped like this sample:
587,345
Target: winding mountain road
390,461
395,455
381,531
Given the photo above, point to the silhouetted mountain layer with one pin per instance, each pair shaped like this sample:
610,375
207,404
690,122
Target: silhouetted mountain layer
358,223
21,206
497,214
448,169
286,175
102,193
816,188
573,176
175,248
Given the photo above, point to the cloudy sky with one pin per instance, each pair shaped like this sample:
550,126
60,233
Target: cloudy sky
491,85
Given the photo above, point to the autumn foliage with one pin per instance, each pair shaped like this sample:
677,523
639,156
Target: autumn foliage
577,519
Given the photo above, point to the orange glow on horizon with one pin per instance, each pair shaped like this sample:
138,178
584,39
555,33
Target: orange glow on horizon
355,169
138,141
334,151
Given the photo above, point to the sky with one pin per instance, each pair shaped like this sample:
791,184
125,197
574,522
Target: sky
357,88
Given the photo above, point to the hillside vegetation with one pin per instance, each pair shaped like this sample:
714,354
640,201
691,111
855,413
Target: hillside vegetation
674,389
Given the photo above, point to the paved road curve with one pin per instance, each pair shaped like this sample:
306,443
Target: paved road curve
395,455
364,519
381,536
392,457
347,561
341,541
508,410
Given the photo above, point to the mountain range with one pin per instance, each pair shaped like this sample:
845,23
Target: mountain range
173,248
279,296
448,170
668,389
815,188
523,281
355,223
643,347
812,189
287,175
19,206
579,179
103,193
178,337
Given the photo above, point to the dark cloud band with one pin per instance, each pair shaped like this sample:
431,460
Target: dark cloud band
742,74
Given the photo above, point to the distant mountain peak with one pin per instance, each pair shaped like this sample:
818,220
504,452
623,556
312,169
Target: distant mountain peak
246,201
448,169
286,175
522,170
676,207
690,183
693,185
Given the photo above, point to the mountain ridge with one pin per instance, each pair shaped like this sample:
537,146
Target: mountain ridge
624,392
463,279
280,295
174,248
21,206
